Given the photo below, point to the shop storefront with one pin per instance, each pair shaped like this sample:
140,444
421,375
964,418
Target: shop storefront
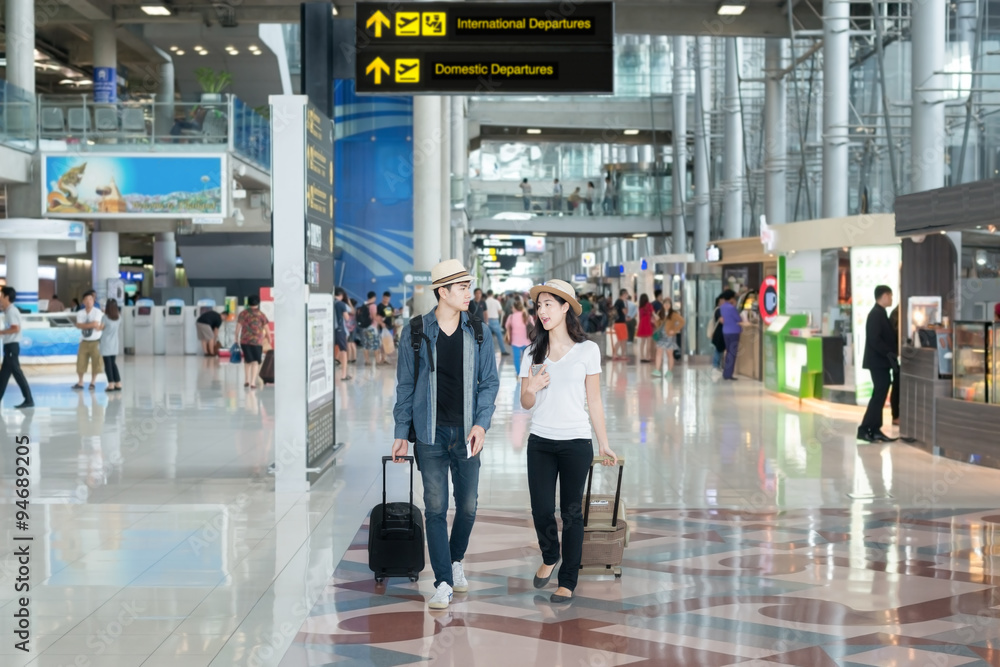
827,273
950,403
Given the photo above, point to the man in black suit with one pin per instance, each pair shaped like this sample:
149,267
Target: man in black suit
880,359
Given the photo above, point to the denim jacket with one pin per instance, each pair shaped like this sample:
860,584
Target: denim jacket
420,403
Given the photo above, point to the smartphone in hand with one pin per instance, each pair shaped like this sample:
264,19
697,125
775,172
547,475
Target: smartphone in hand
535,368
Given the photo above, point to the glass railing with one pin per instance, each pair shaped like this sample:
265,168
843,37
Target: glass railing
17,118
228,124
627,203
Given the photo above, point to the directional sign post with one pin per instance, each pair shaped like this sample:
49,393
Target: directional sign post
507,48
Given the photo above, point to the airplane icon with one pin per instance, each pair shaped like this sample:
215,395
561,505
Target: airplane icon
403,69
408,24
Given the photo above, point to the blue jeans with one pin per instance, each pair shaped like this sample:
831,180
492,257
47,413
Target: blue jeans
448,453
732,349
498,335
518,351
716,358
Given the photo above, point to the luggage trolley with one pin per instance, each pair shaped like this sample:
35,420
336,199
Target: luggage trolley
605,526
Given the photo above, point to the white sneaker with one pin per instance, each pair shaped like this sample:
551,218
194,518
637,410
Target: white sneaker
461,584
441,598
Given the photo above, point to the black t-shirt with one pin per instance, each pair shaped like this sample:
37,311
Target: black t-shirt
211,318
620,310
450,379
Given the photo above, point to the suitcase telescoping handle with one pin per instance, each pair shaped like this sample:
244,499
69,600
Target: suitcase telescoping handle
386,459
598,460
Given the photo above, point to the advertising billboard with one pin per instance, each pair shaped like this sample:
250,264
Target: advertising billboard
132,186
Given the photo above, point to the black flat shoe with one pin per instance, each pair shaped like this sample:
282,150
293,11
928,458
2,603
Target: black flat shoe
26,404
879,436
866,436
542,583
560,599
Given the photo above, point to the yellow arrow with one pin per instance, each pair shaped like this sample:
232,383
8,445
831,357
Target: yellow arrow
378,19
379,67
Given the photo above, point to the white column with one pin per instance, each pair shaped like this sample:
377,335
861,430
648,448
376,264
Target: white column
965,31
928,26
775,149
165,260
679,233
104,261
426,199
106,48
732,205
164,116
702,147
20,38
445,185
22,272
459,166
836,89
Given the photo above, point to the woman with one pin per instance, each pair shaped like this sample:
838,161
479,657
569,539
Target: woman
669,324
559,387
644,330
108,345
517,332
251,330
591,195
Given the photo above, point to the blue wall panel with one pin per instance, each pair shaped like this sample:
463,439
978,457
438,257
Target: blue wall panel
374,188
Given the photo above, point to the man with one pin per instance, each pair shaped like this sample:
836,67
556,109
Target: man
55,305
340,311
370,341
477,296
610,196
208,325
12,348
557,193
657,300
526,194
632,319
464,377
89,320
732,327
621,327
494,315
880,359
387,311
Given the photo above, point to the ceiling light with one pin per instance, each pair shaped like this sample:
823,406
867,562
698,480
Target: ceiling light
981,257
198,47
173,48
533,130
538,233
155,10
230,48
179,52
256,53
254,47
333,9
732,7
234,52
631,132
203,53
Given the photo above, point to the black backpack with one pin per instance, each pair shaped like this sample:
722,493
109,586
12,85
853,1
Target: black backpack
417,336
364,316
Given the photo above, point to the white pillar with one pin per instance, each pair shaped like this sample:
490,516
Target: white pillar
445,186
836,89
426,198
965,29
702,147
775,149
459,167
104,261
732,205
22,272
106,51
164,117
20,46
928,25
165,260
679,233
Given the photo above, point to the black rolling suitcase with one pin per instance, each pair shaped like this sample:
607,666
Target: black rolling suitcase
396,536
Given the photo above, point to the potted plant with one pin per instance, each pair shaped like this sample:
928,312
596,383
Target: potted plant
212,84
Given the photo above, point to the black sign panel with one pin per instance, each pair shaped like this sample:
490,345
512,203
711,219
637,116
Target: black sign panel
468,23
319,201
484,48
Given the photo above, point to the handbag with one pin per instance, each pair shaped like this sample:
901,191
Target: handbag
235,355
266,347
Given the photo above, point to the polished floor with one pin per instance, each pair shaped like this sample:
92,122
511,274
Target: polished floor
761,534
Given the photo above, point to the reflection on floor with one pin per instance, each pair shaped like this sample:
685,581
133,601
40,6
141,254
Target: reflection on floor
158,538
713,587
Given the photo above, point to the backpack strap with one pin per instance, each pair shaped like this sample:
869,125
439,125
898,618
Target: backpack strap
476,320
417,336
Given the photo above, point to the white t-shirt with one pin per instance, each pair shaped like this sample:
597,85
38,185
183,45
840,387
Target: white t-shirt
560,411
83,317
493,309
12,316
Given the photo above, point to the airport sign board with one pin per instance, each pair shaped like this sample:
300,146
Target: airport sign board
461,48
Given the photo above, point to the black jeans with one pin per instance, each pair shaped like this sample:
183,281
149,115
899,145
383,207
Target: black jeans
880,389
111,369
12,366
569,460
894,395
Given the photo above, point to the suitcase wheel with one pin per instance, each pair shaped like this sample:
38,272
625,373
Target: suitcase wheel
413,577
380,580
618,575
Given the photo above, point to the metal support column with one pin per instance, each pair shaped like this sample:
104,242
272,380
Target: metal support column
927,29
836,88
444,185
775,128
702,146
732,206
679,234
426,191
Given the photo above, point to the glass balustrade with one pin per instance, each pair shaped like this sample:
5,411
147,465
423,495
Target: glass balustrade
18,128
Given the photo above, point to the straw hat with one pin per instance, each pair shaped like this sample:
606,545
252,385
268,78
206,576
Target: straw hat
561,289
448,272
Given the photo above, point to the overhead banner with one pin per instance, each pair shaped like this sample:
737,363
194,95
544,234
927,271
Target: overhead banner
492,48
132,186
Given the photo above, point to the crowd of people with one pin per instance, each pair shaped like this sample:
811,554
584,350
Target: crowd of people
581,201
